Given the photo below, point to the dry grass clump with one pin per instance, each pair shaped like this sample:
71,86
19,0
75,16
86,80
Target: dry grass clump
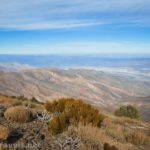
18,101
111,121
100,136
19,114
114,134
127,121
126,130
137,138
5,100
4,133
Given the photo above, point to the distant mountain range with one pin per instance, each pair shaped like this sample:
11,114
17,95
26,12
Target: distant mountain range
108,88
140,62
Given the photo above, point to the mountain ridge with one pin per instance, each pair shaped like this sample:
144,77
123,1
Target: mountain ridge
98,88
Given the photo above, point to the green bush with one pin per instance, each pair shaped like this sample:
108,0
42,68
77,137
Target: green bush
71,112
127,111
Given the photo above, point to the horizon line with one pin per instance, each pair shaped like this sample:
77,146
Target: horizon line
73,54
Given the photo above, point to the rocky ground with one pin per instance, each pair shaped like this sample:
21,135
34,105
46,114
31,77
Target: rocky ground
35,135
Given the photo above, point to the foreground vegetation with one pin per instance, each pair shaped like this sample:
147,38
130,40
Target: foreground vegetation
69,111
67,124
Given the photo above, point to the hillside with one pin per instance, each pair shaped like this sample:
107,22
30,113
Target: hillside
101,89
25,122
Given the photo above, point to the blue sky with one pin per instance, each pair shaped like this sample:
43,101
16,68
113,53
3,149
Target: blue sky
74,27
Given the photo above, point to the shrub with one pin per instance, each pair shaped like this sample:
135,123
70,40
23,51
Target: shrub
127,111
71,111
18,114
4,133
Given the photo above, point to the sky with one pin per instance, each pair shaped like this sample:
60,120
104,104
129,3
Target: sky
74,26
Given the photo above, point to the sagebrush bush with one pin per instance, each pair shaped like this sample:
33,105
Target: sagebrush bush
128,111
19,114
58,124
4,133
73,111
55,126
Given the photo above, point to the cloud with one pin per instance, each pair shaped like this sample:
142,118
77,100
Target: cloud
52,25
50,14
96,47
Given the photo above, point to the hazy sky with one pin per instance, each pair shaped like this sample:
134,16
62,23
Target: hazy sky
74,26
